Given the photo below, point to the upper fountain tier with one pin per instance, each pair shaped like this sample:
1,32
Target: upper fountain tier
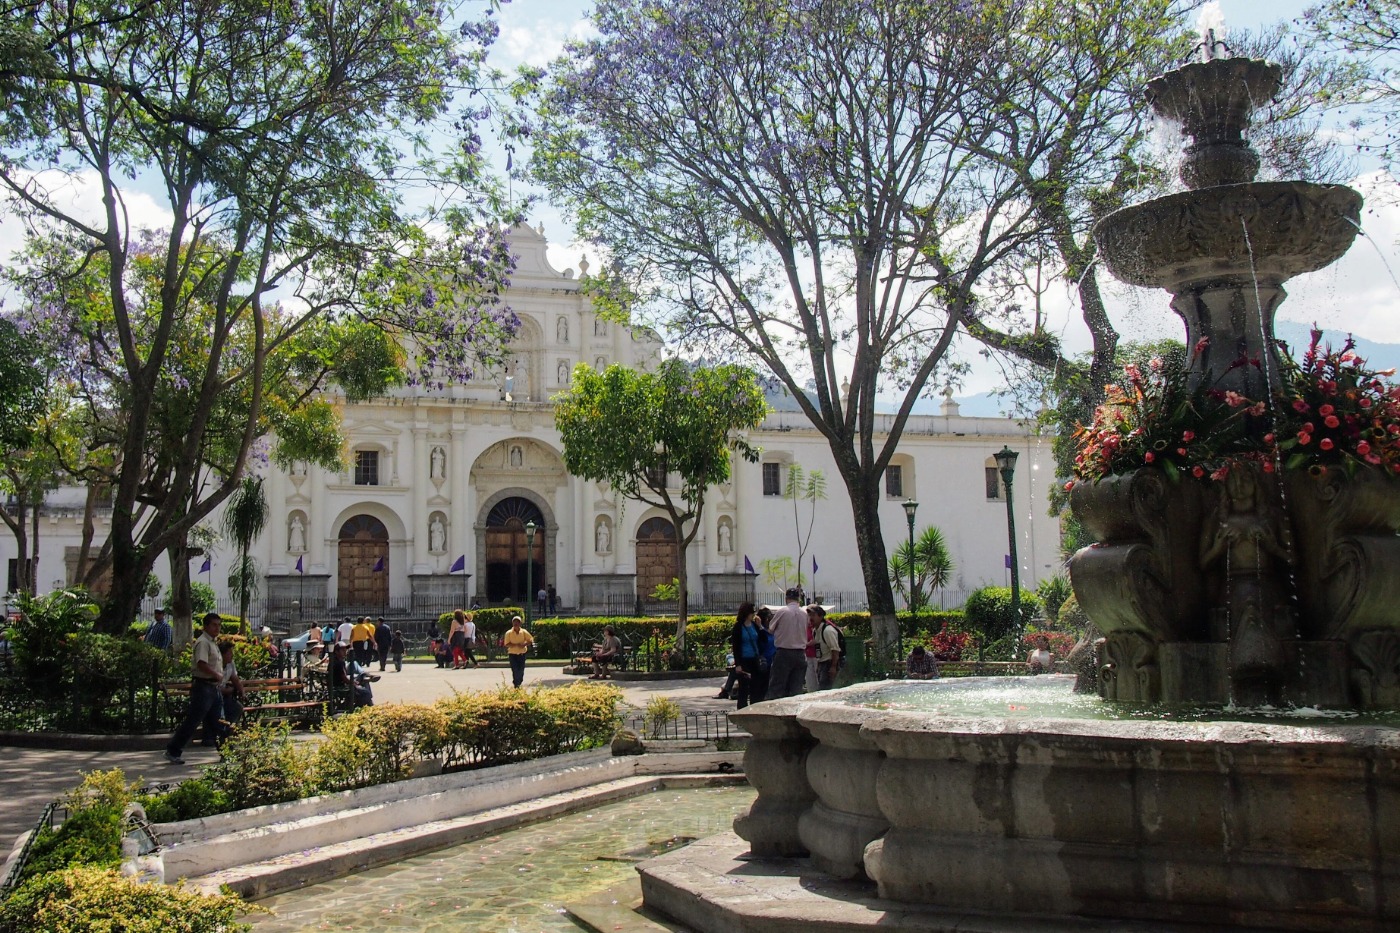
1226,229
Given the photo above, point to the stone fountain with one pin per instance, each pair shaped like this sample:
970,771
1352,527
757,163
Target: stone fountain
998,822
1268,588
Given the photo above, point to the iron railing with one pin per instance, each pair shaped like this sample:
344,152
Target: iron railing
703,725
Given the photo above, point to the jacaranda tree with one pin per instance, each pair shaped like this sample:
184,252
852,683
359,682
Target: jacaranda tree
277,139
793,183
640,432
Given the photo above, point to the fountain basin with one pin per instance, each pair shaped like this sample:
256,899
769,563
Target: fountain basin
1248,825
1196,237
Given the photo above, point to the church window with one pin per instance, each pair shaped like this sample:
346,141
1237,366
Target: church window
366,468
772,480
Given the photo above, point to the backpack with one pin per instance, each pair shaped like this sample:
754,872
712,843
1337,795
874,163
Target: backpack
840,643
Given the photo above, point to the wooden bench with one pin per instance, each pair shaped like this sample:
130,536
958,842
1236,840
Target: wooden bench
298,712
581,653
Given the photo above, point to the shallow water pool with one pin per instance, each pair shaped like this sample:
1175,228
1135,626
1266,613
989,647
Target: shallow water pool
516,881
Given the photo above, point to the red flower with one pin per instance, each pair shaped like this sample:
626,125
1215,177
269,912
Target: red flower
1188,436
1325,409
1326,443
1198,472
1069,485
1149,456
1268,466
1363,448
1332,421
1304,437
1201,345
1299,405
1269,438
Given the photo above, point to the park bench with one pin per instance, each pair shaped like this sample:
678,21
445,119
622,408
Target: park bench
581,652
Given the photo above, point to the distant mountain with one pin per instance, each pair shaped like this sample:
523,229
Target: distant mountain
990,405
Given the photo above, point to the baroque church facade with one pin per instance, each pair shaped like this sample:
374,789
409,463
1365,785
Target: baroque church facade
459,495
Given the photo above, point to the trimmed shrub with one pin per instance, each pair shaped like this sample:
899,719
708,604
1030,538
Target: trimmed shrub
188,800
260,764
93,900
584,715
490,623
988,613
376,745
91,837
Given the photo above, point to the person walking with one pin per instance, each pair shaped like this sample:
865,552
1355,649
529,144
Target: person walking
160,635
457,638
789,629
396,649
206,679
518,643
383,640
749,642
469,639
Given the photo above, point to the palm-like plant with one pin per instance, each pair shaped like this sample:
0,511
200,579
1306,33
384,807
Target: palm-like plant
244,519
933,567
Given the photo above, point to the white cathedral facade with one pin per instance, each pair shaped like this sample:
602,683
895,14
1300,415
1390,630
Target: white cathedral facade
440,487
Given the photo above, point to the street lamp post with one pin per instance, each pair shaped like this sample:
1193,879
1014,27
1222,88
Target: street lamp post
1006,463
910,506
529,567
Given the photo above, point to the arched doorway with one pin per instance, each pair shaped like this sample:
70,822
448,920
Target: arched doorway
509,573
656,555
363,563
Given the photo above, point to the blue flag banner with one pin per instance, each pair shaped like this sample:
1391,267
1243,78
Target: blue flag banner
1008,561
378,565
814,565
207,566
300,569
748,567
459,564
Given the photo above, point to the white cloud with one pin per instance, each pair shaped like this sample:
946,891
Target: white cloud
540,40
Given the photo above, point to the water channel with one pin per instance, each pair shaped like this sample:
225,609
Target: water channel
513,882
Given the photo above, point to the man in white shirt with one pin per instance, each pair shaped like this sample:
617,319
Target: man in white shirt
469,641
789,630
208,676
343,632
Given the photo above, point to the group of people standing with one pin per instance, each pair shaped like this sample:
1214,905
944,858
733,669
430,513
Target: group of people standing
782,652
366,641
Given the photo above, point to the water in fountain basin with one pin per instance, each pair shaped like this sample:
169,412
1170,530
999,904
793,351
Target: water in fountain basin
1051,696
516,881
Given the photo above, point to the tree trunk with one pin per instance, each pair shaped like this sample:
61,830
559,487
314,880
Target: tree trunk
130,569
29,570
874,563
181,600
682,595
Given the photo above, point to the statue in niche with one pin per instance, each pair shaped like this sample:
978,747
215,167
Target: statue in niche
298,467
438,464
517,456
437,535
563,373
1243,552
726,538
600,364
561,330
603,538
600,327
296,535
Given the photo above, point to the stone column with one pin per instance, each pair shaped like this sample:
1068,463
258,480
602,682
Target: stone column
419,482
775,763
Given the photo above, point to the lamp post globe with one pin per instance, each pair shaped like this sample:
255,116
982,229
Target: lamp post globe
529,567
1006,464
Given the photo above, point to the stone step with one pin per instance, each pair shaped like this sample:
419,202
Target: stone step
617,910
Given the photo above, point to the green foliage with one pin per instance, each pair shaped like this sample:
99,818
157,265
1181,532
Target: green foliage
188,800
1072,618
42,633
202,598
637,430
988,613
91,836
932,566
377,745
660,712
93,900
777,570
490,622
1053,592
667,592
260,764
583,715
250,655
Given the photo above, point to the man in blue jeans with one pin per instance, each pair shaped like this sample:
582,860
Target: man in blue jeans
204,688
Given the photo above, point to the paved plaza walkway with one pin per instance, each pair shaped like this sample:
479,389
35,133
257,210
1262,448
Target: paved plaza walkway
30,777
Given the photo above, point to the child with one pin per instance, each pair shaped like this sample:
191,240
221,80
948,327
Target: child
396,649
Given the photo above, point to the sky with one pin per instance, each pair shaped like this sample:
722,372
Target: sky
1360,293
